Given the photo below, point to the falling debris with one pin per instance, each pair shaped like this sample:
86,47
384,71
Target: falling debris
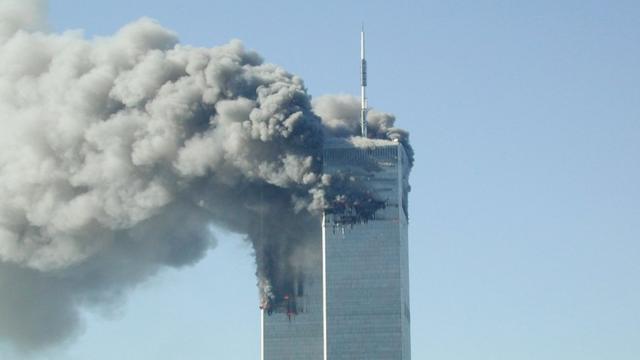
117,155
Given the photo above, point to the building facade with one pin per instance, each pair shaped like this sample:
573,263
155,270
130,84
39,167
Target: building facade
287,336
357,299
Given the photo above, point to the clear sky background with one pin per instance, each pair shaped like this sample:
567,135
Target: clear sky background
525,208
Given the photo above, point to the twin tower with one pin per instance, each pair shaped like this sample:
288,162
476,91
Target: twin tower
356,299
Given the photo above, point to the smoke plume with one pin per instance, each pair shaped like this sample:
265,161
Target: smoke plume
118,154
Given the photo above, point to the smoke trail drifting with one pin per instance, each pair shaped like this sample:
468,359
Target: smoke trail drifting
117,155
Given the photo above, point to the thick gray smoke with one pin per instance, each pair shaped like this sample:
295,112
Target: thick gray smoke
118,154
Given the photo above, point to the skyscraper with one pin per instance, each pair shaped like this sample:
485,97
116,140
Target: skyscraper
366,273
355,303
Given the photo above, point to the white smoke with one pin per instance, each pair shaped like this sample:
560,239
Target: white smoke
118,153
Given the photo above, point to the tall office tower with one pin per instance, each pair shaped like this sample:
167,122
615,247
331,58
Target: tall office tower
366,271
354,304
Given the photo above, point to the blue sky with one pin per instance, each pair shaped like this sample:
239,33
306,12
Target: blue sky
525,208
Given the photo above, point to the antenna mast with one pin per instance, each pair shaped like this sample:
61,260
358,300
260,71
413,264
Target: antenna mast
363,86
